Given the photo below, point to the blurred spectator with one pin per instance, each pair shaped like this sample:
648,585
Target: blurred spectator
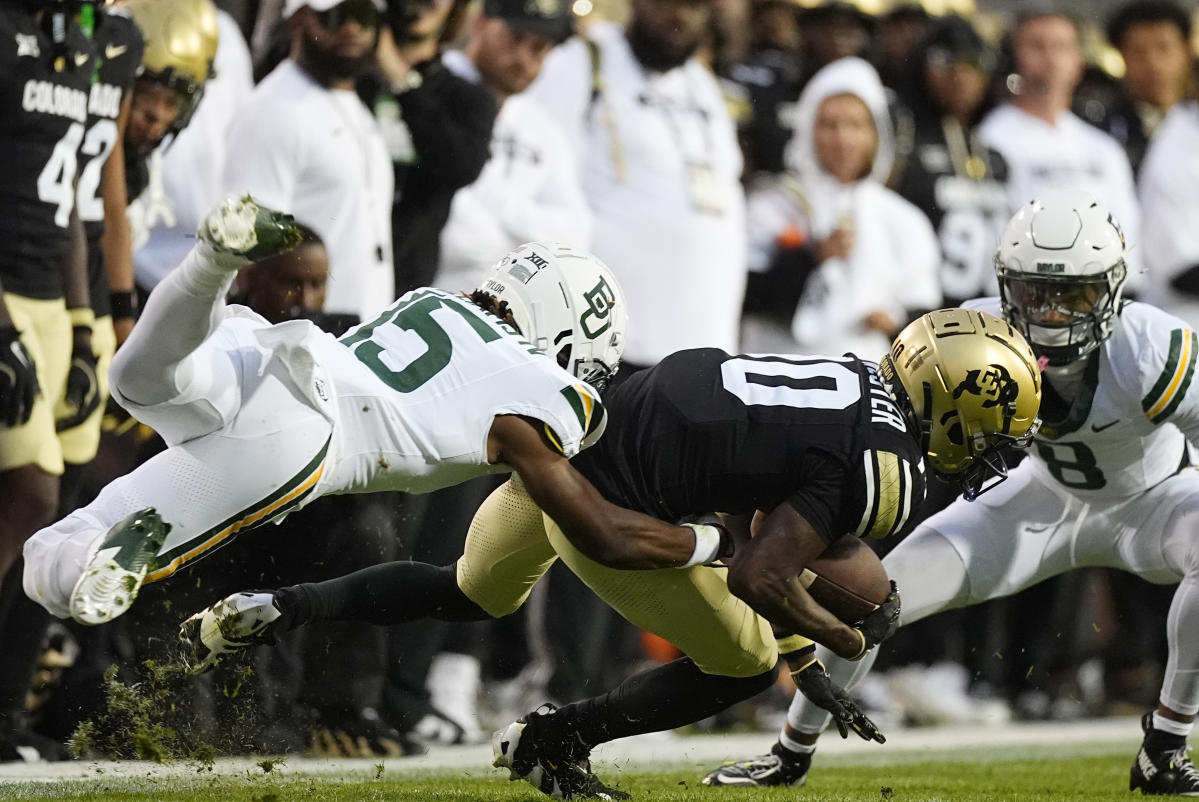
874,254
184,179
728,38
45,78
290,286
769,80
1170,202
1045,145
831,31
305,144
897,44
947,172
1153,37
660,169
438,127
433,694
508,42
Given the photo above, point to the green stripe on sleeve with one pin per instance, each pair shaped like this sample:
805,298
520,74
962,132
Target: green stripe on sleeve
1163,381
1181,392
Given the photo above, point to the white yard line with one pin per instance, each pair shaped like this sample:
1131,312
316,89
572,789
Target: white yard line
966,742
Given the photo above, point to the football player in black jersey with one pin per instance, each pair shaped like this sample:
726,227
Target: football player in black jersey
821,447
46,67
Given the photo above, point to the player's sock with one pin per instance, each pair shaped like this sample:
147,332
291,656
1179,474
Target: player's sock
389,593
662,698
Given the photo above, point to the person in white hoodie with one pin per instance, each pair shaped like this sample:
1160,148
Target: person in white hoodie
875,255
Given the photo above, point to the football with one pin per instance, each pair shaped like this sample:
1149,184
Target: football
848,579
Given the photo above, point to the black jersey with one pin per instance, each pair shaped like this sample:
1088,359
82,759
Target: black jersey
704,431
43,118
960,184
119,48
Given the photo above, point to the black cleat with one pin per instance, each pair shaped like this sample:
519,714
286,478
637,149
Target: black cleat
554,766
1163,772
780,767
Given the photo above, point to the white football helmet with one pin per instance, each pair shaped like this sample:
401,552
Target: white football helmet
567,304
1061,273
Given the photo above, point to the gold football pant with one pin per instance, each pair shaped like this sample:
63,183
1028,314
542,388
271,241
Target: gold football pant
511,544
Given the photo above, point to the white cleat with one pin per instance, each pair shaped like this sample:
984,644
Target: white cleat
113,576
232,624
242,228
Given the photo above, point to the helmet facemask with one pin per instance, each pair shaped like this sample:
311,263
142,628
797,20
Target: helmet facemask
1064,318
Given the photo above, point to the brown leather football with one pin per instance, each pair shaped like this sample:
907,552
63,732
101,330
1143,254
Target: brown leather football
848,579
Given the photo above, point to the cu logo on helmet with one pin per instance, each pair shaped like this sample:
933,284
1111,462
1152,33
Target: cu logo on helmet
993,384
594,319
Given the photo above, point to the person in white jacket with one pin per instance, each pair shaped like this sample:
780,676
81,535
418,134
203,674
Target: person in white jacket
529,149
876,255
1169,194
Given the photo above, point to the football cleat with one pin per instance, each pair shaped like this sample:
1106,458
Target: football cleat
113,574
1163,772
780,767
241,228
232,624
549,764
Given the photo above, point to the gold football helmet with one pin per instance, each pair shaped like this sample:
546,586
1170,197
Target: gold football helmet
972,386
181,40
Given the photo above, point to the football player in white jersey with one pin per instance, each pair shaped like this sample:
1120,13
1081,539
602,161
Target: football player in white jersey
1109,482
260,419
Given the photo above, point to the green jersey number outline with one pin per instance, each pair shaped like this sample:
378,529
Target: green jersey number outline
416,315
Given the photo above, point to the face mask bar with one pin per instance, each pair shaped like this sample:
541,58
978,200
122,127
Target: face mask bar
989,468
1063,318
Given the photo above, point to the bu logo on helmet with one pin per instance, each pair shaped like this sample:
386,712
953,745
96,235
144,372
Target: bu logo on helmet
994,384
594,319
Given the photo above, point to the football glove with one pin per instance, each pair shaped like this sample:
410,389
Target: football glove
814,683
83,388
18,379
881,624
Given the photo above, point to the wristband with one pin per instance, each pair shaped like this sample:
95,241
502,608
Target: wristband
123,304
82,316
709,543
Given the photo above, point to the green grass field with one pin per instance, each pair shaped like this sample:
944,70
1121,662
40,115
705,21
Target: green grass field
1091,777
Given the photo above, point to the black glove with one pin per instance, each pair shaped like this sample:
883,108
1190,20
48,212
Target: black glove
882,623
83,388
814,682
18,379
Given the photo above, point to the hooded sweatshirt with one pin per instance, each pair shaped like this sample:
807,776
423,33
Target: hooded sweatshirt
893,265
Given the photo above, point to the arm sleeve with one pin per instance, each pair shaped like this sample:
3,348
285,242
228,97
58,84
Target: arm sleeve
1168,392
821,496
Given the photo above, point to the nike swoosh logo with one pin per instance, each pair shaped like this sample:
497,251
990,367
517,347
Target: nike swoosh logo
1097,428
112,51
81,59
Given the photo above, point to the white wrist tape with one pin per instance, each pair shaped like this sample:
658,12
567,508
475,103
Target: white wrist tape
707,544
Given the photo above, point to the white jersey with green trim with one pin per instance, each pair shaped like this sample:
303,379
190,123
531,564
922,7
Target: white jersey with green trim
418,387
1137,404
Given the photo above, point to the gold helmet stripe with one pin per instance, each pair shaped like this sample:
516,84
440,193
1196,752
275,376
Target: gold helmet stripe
1172,385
